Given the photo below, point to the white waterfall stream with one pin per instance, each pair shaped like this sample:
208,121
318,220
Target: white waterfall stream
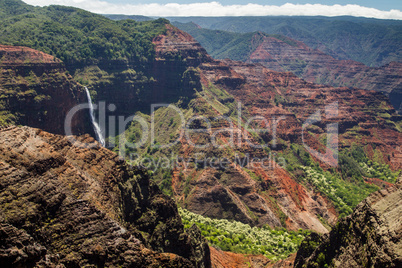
97,129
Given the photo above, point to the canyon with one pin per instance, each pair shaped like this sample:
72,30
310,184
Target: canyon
320,149
258,195
234,193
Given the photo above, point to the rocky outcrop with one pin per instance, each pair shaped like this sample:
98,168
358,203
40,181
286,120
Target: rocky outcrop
178,44
318,67
370,237
66,201
37,91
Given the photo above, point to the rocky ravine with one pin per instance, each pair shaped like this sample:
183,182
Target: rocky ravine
370,237
315,66
233,193
65,205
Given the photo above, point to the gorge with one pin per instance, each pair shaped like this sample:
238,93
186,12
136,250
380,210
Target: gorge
63,204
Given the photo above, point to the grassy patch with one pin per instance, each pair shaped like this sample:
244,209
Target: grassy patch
242,238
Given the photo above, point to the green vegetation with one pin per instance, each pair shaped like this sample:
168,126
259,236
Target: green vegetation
126,17
242,238
380,171
112,58
76,36
344,186
345,195
152,155
220,44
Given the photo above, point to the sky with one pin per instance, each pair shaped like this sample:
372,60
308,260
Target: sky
381,9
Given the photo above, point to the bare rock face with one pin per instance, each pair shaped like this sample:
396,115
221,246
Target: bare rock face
36,90
226,259
370,237
66,205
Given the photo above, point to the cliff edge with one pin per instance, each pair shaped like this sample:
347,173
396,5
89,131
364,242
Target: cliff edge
370,237
65,204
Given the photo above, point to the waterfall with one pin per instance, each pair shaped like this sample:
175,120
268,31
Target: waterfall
98,131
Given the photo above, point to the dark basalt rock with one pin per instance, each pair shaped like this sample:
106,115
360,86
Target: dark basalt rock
370,237
68,206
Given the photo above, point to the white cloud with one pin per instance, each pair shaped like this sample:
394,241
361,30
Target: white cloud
217,9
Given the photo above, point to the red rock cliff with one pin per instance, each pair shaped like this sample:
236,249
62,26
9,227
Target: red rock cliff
36,90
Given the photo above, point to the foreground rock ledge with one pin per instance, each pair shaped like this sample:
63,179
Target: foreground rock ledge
66,206
370,237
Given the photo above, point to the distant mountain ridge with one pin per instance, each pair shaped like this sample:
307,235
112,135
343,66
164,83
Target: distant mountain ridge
126,17
370,41
317,67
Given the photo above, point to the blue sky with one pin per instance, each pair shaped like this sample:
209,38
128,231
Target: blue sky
385,9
